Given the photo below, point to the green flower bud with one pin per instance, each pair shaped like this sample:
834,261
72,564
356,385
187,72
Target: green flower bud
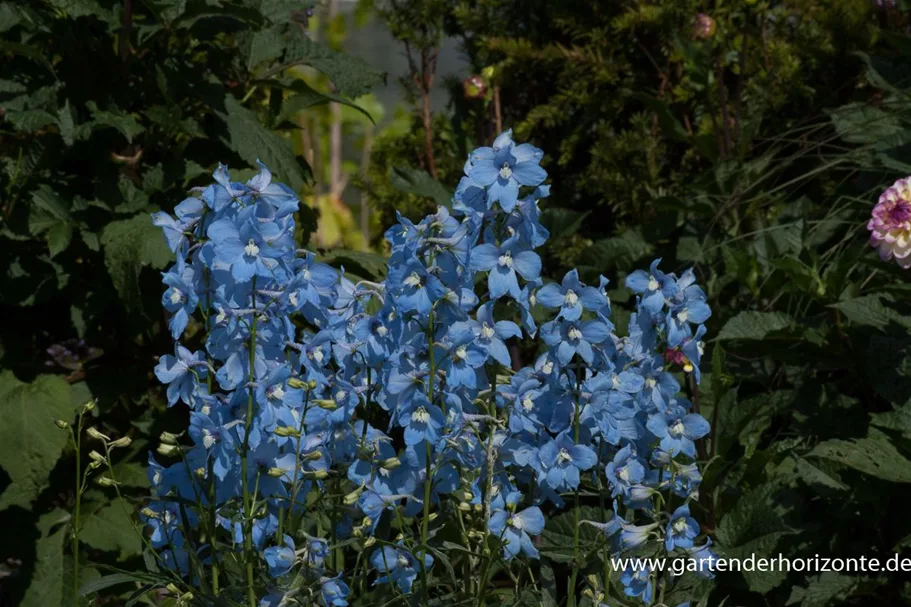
287,431
94,433
123,441
61,424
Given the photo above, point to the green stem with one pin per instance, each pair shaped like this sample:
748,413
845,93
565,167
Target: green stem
571,588
248,422
425,520
77,440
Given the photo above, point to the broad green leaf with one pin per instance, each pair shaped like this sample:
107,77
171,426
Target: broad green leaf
557,538
46,585
812,475
30,121
373,265
874,455
351,76
754,325
864,123
420,183
252,141
617,251
562,222
59,236
110,530
30,443
870,310
129,245
887,362
823,589
306,97
123,122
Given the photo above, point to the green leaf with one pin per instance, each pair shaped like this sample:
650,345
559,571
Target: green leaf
874,455
130,245
618,251
887,362
252,141
812,475
114,579
30,121
123,122
823,589
351,76
59,237
110,530
373,266
66,122
30,443
754,325
420,183
46,586
307,97
557,537
870,310
562,222
134,199
864,123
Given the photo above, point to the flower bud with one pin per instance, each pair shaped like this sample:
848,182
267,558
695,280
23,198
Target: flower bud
200,473
61,424
367,521
106,481
168,438
298,384
312,456
327,404
704,27
433,516
287,431
316,474
312,384
370,541
95,465
94,433
358,532
173,589
277,472
89,405
168,450
123,441
391,464
464,506
148,512
352,497
95,456
474,87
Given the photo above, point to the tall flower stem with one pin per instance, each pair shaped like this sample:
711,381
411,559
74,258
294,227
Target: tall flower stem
425,519
571,588
77,441
245,448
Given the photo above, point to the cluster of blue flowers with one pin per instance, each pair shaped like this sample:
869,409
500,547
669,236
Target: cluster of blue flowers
406,395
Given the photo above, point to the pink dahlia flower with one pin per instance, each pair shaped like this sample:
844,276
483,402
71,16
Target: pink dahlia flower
890,226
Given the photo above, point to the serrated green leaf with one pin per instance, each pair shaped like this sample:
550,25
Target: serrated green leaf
130,245
110,530
306,97
420,183
351,76
59,237
114,118
30,443
812,475
874,455
557,537
252,141
823,589
29,121
870,310
754,325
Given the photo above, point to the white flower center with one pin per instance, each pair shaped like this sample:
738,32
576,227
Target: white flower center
570,299
421,415
574,334
176,295
682,315
651,382
700,346
623,474
564,456
615,381
293,299
652,283
505,260
680,525
532,300
318,356
306,274
208,438
515,522
548,368
677,428
505,171
487,331
527,403
381,331
340,395
401,561
461,353
251,249
413,280
277,392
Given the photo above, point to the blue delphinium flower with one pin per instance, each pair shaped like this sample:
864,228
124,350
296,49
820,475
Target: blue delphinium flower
280,558
561,463
571,296
505,166
515,530
681,530
398,566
